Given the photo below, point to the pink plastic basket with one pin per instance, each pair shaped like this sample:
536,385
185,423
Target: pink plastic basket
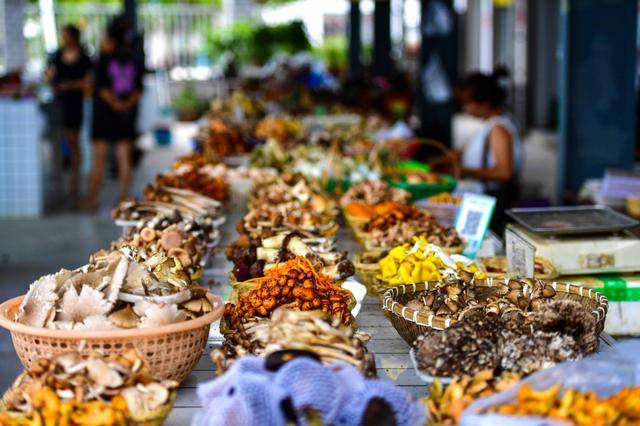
171,350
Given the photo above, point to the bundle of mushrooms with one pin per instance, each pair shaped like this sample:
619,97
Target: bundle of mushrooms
297,284
291,188
402,232
169,201
115,292
252,257
204,229
561,330
174,241
311,331
373,192
454,298
89,390
195,180
268,220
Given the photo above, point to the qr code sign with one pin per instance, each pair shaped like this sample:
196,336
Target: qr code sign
472,223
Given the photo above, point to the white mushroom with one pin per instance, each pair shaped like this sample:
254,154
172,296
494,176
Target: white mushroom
117,280
145,397
37,305
76,307
104,376
158,315
95,322
176,298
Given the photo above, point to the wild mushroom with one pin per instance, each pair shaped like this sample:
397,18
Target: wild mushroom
39,303
124,318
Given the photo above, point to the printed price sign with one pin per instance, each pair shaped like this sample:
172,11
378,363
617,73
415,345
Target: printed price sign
473,221
520,256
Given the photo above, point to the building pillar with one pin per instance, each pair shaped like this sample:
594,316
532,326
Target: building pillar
355,38
382,64
597,95
437,71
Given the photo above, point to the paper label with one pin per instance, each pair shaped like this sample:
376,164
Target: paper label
473,221
597,261
520,256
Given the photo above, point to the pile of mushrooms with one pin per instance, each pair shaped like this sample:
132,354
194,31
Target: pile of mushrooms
454,298
311,331
115,292
92,384
169,201
174,241
292,189
252,258
373,192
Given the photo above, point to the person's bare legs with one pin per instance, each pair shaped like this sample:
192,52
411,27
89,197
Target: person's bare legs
123,156
73,139
97,173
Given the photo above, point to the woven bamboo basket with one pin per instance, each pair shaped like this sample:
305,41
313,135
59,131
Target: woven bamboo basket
411,323
367,267
154,417
170,350
501,262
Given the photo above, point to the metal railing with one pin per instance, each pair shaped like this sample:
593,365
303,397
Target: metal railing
175,35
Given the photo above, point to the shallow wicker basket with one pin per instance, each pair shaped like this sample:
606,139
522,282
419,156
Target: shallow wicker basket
170,350
411,323
367,271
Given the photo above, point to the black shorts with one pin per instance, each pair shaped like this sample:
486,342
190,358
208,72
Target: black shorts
113,126
71,109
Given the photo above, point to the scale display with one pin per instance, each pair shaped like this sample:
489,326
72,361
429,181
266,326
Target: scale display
572,220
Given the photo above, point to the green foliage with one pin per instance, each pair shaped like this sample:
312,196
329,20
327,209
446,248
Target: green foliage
333,52
256,43
187,103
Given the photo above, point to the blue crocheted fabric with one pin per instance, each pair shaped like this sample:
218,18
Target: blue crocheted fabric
249,395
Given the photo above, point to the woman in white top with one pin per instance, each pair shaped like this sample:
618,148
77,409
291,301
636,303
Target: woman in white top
493,155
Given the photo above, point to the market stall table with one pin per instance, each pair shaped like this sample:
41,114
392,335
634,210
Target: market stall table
391,352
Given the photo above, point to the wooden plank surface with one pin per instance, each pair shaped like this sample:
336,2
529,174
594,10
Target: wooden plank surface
391,352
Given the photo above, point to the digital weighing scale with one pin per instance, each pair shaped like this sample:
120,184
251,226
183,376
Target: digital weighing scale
584,240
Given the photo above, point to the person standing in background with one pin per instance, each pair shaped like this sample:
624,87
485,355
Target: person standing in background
69,73
494,155
117,92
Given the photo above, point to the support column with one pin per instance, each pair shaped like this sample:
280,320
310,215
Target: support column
597,93
11,38
437,71
382,38
355,38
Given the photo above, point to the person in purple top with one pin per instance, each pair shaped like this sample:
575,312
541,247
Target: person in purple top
117,91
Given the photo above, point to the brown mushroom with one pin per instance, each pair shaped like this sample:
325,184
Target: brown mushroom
147,234
124,318
182,256
170,239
